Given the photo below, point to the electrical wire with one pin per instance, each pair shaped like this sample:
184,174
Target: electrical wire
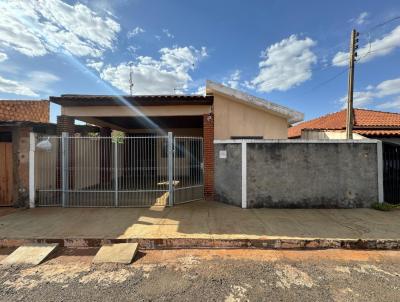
382,24
326,81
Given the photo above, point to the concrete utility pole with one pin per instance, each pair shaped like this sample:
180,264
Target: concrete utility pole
350,113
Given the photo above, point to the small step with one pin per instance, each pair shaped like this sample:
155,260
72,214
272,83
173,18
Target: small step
30,254
116,253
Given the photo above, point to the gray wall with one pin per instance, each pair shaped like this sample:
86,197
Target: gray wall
228,174
302,175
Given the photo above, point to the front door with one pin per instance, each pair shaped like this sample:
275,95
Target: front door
6,174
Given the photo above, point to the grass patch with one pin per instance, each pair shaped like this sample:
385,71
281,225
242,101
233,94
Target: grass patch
385,206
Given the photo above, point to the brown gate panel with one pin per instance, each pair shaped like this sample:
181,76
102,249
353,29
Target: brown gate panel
6,174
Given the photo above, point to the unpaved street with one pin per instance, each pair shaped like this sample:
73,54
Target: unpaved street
209,275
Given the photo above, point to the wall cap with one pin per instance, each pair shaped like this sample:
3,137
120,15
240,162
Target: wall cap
292,141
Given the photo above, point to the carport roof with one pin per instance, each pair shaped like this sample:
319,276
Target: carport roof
73,100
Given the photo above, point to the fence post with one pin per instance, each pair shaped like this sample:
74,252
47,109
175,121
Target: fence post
64,167
170,169
32,145
115,172
244,174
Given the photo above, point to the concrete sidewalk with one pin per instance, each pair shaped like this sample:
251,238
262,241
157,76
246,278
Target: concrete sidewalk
204,224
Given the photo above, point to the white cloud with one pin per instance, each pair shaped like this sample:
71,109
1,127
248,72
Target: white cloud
388,87
14,87
372,94
133,49
167,33
391,105
360,99
37,27
96,65
134,32
233,80
3,56
40,81
284,65
35,83
377,48
152,76
362,18
201,90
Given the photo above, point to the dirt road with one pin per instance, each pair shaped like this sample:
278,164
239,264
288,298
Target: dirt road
209,275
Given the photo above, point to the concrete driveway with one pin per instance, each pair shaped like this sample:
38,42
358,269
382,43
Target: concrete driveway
199,220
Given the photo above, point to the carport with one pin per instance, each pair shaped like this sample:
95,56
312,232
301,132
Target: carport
157,153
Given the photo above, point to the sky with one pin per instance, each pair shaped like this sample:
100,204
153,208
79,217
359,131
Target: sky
294,53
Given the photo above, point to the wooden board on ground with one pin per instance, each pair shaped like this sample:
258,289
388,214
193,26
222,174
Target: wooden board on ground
30,254
116,253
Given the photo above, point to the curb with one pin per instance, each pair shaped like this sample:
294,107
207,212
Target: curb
191,243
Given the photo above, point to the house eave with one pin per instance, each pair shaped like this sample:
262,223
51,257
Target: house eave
291,115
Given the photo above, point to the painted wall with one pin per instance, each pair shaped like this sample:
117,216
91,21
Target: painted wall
232,118
316,134
299,175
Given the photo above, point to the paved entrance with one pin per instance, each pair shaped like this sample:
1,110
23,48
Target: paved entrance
200,224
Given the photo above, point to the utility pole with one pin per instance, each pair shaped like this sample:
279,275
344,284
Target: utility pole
350,111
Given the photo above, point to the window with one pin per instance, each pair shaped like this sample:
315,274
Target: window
5,137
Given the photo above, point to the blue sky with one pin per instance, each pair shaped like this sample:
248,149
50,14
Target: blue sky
284,51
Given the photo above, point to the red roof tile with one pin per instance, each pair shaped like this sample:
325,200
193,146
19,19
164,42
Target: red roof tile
363,119
24,111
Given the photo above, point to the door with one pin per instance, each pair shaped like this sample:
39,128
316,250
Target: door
6,174
391,172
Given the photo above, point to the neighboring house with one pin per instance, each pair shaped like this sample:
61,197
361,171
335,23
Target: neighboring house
223,113
384,126
17,120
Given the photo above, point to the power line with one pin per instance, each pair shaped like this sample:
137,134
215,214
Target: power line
383,23
326,81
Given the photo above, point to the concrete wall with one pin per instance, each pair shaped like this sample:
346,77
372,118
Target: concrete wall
232,118
227,174
303,174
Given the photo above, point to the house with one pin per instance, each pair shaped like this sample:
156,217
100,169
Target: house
223,113
368,124
17,120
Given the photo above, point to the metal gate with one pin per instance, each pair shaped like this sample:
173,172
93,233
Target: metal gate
131,171
391,173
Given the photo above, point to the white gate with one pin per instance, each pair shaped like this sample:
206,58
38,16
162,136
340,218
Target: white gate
131,171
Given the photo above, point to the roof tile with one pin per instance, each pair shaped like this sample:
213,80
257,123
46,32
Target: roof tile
363,118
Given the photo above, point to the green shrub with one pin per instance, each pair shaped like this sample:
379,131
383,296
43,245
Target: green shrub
385,206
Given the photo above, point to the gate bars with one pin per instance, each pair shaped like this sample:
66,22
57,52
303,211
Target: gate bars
133,171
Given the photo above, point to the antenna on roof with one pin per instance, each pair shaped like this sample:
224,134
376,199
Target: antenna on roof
130,79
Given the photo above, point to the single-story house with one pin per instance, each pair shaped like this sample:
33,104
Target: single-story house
368,124
223,113
17,120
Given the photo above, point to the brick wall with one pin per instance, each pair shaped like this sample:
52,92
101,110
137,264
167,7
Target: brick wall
31,111
65,124
208,137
